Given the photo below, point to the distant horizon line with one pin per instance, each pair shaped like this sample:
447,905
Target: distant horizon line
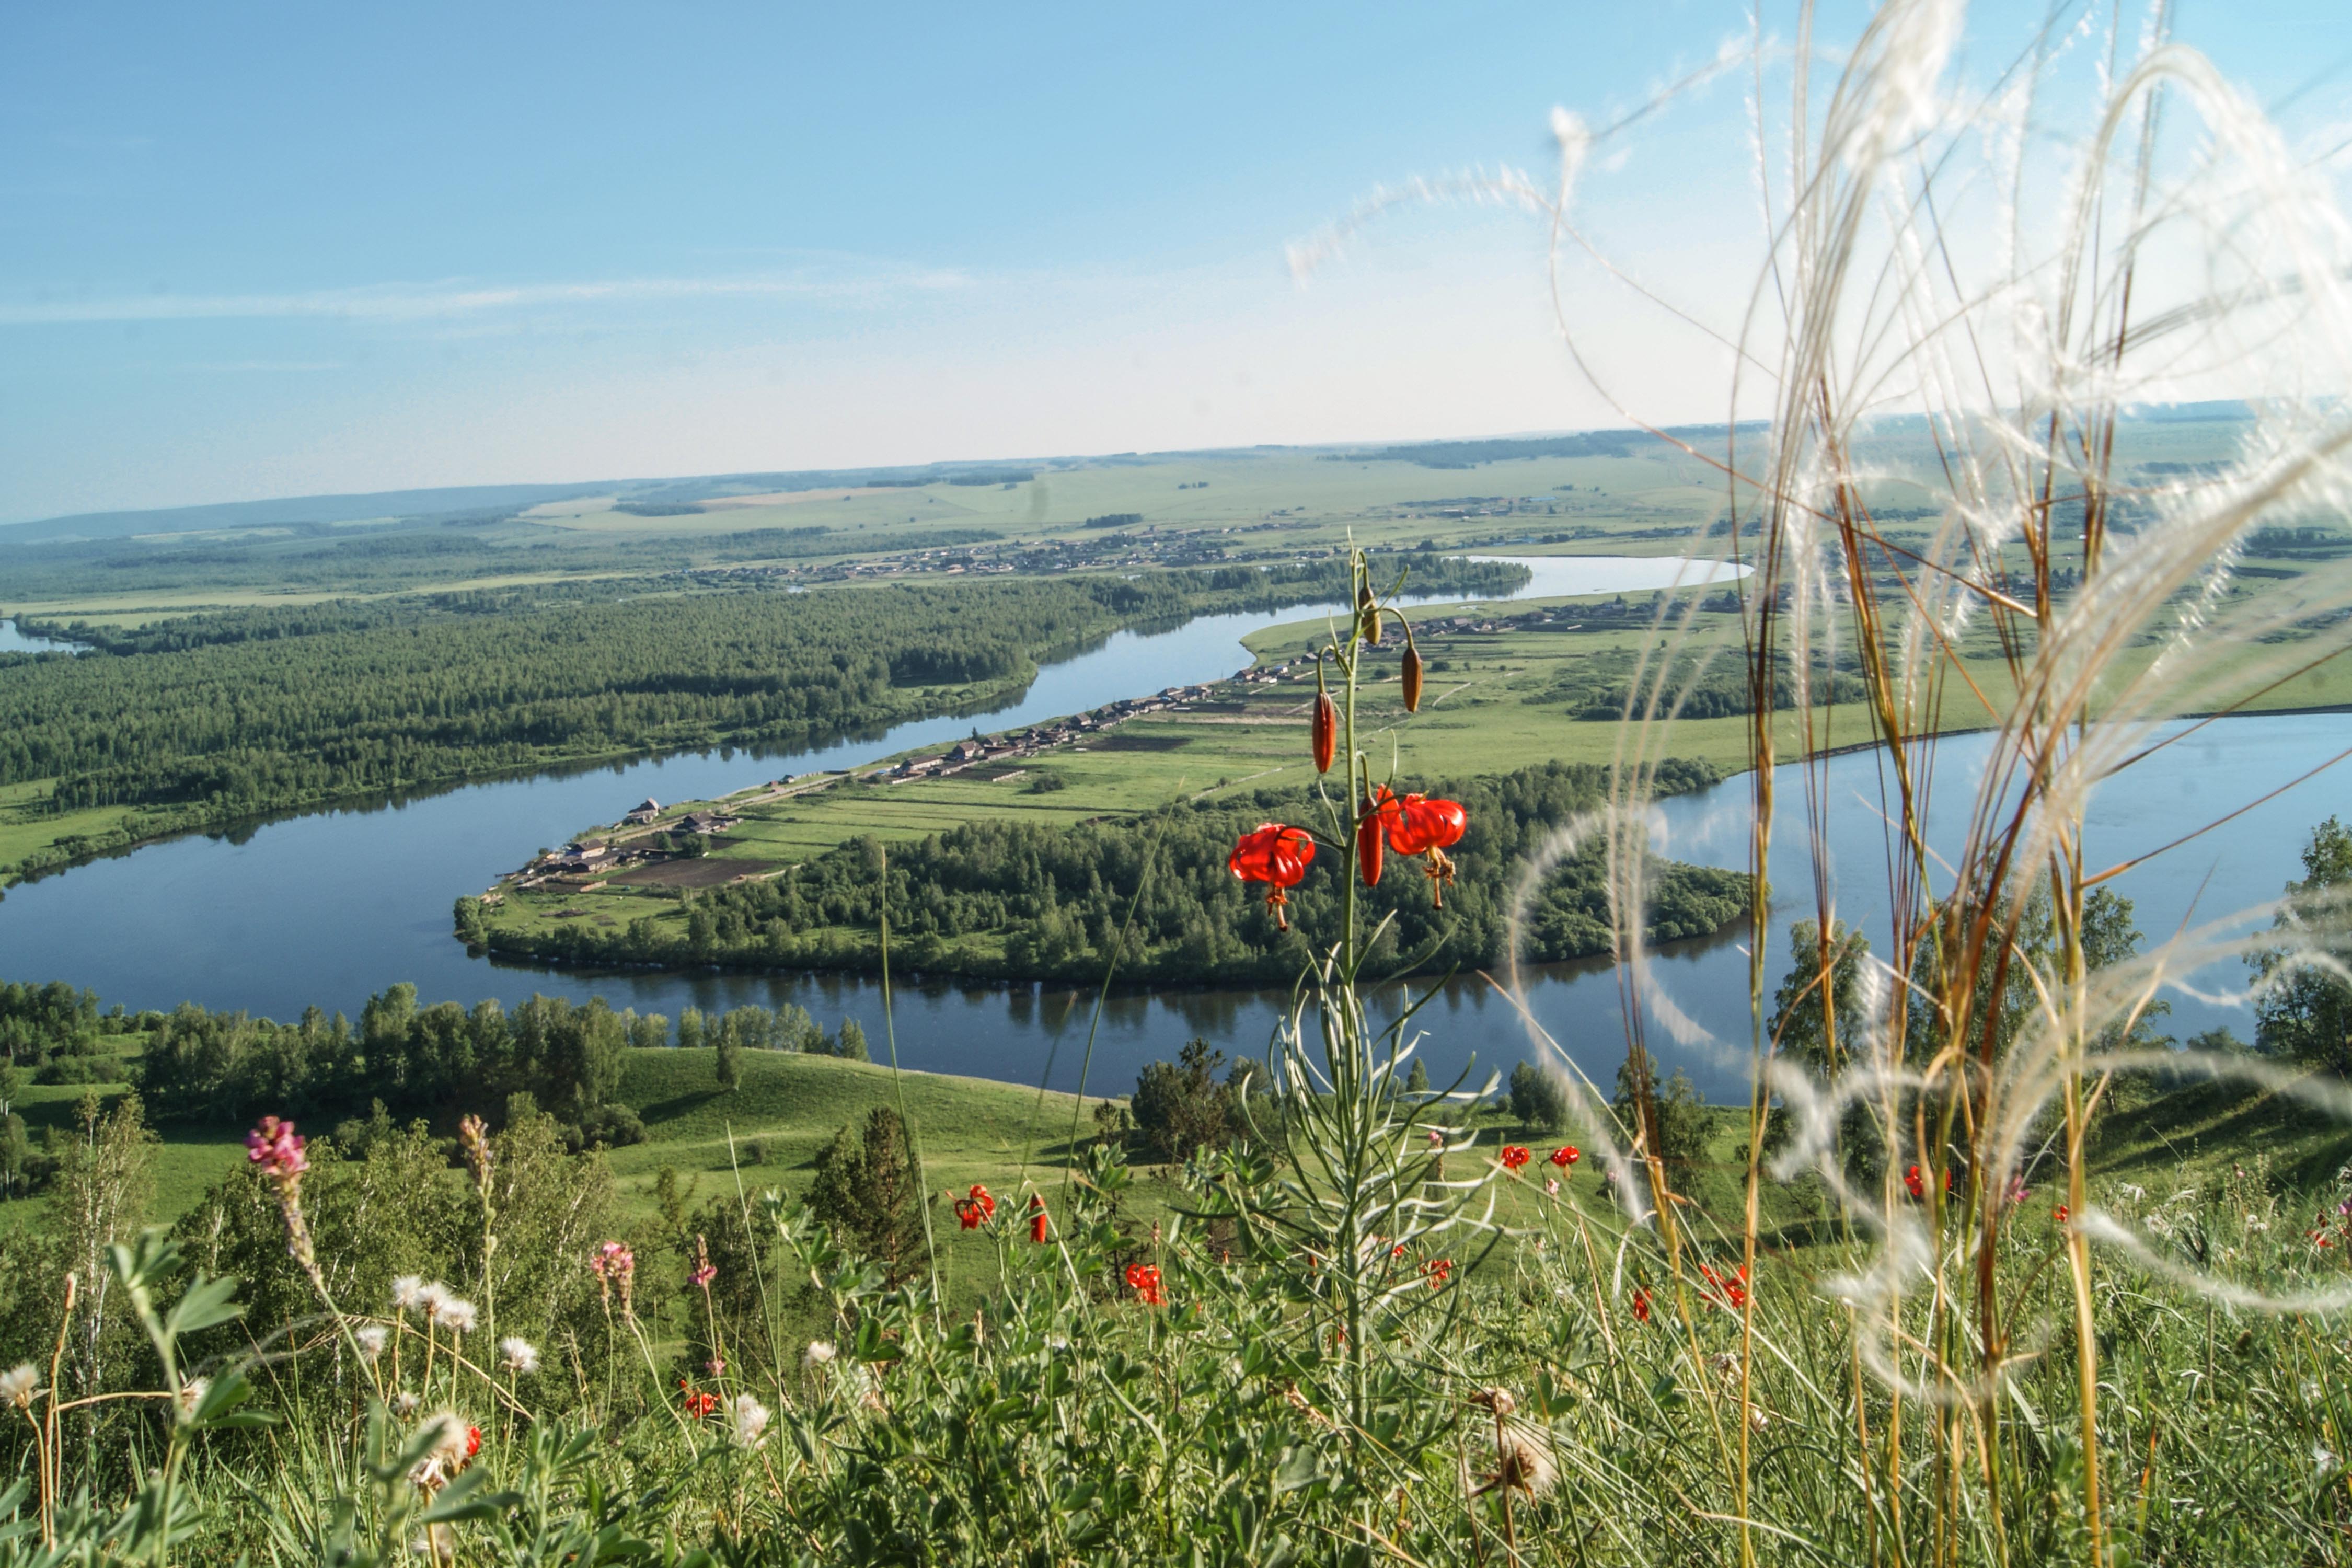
493,494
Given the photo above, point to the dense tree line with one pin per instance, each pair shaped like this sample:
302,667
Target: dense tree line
420,552
1697,687
255,725
226,1066
1013,900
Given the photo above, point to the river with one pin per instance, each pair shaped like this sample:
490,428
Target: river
15,639
330,906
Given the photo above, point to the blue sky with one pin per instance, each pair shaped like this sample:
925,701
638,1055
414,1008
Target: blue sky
247,251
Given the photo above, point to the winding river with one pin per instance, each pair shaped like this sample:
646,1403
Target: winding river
330,906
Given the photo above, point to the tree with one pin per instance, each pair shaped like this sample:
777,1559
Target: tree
468,918
866,1188
1817,1022
2303,1010
730,1061
1676,1128
1537,1098
649,1031
1182,1107
689,1029
1822,1038
105,1185
850,1044
1417,1081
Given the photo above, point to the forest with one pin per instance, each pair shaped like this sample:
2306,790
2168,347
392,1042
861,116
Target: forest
197,721
1011,900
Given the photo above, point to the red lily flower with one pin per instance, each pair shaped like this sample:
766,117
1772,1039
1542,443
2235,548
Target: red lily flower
1144,1279
1421,825
1276,855
1566,1157
1514,1156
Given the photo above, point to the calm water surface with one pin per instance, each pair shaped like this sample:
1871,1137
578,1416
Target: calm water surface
332,906
14,640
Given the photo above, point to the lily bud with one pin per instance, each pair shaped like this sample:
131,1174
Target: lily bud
1412,675
1326,730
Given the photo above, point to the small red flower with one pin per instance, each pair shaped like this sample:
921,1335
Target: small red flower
2059,1213
1037,1217
1640,1306
1276,855
473,1441
1566,1157
1919,1186
1731,1289
1397,1251
975,1209
1514,1156
1144,1279
1439,1270
697,1404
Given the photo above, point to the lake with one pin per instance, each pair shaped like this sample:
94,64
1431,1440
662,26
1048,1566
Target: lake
333,905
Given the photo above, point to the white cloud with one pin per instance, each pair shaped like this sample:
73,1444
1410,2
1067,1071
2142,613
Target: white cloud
431,301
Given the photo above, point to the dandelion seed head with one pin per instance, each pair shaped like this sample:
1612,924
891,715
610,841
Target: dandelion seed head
191,1398
18,1385
519,1355
819,1353
748,1420
372,1338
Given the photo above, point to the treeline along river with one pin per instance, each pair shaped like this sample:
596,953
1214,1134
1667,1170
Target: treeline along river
331,907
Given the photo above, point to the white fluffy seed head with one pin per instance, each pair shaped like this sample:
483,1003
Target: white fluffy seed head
18,1385
748,1419
519,1355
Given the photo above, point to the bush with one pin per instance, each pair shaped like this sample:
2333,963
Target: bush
612,1126
1046,783
80,1070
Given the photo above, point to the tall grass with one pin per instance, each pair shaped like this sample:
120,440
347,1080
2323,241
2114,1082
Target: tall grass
2011,263
1918,1327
